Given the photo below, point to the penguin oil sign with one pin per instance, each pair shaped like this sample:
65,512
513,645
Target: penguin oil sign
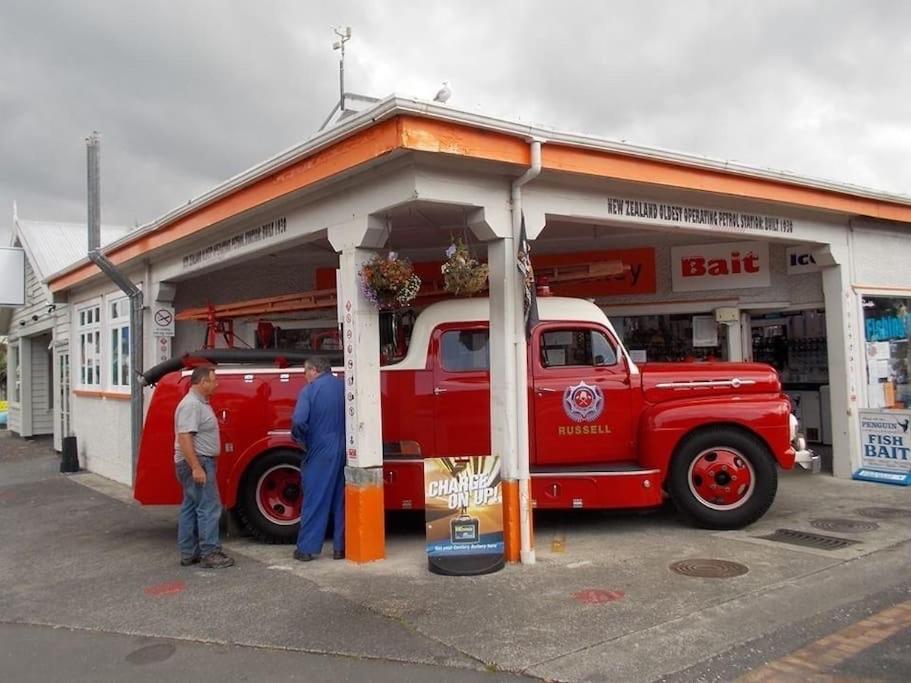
463,506
885,446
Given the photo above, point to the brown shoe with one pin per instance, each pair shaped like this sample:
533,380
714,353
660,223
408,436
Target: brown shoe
338,554
216,560
303,557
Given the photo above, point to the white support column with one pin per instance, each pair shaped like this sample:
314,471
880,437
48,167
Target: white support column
534,225
845,356
364,511
501,259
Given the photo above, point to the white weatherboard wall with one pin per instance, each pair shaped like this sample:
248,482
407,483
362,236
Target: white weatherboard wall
42,417
102,429
100,423
29,331
881,255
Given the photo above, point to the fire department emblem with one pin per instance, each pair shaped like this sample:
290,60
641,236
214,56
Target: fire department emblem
583,402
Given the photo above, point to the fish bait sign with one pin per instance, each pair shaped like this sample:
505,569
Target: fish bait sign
885,446
463,505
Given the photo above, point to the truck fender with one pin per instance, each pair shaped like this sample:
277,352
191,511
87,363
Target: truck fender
269,442
663,425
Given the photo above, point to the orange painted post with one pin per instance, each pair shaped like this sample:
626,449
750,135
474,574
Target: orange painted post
365,532
512,541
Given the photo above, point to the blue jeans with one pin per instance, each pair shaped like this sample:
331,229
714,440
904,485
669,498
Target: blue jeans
197,525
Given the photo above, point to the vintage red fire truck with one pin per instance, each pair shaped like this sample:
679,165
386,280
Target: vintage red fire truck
604,431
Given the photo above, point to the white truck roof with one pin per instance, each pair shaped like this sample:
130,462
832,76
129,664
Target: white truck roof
478,310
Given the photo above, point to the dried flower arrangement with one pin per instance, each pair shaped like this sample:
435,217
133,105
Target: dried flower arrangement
462,274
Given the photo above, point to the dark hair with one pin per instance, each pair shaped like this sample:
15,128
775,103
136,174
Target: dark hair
200,373
318,363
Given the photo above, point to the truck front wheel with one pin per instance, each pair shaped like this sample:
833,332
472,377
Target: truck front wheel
723,478
270,499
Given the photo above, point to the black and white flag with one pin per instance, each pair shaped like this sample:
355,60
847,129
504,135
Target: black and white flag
523,262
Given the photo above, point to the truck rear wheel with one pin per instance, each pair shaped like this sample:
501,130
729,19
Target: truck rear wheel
723,478
270,498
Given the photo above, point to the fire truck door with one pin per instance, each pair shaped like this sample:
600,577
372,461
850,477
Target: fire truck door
242,408
581,398
461,390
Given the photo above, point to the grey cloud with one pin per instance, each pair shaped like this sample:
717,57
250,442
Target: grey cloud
187,94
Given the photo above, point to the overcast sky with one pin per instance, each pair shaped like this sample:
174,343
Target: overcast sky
188,93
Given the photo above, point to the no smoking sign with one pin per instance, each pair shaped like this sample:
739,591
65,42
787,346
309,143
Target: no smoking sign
162,321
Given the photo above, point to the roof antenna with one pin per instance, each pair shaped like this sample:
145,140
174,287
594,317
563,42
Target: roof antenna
341,107
344,35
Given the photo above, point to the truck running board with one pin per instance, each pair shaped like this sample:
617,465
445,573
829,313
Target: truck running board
604,487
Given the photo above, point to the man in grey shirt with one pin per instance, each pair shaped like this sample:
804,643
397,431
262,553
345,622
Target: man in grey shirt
196,447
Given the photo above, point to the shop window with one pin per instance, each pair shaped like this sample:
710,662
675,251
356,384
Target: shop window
465,350
88,336
886,331
793,343
119,351
560,348
673,337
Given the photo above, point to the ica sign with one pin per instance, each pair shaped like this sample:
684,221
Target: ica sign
802,260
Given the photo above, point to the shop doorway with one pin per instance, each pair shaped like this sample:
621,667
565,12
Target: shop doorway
794,343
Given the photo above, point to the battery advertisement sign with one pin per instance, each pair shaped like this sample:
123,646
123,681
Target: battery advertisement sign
463,503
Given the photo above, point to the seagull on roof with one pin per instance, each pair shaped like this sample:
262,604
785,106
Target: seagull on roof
444,93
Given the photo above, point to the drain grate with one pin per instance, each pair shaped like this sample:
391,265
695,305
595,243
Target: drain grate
709,569
844,525
809,540
884,513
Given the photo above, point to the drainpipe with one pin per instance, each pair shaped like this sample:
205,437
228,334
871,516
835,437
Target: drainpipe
93,153
527,552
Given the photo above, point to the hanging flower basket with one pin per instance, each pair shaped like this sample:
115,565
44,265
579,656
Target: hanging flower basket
389,282
463,275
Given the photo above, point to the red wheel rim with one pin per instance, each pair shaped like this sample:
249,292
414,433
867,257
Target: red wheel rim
278,495
721,478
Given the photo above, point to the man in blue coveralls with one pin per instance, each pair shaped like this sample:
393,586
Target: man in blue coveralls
319,425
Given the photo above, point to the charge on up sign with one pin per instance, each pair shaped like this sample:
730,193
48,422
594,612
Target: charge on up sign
885,446
731,265
463,506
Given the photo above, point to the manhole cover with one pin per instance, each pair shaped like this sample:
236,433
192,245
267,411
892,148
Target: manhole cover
809,539
885,513
709,569
844,525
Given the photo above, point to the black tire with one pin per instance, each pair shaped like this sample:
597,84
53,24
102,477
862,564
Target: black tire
723,478
270,486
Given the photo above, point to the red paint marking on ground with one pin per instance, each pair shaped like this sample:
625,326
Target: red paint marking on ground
597,596
169,588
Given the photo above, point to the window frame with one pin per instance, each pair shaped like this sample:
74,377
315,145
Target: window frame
116,327
862,370
86,326
459,329
612,343
14,372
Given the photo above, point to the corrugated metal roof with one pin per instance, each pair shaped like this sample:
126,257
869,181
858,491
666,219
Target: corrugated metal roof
51,247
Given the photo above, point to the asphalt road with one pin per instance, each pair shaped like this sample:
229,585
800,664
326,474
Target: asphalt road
44,653
90,589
